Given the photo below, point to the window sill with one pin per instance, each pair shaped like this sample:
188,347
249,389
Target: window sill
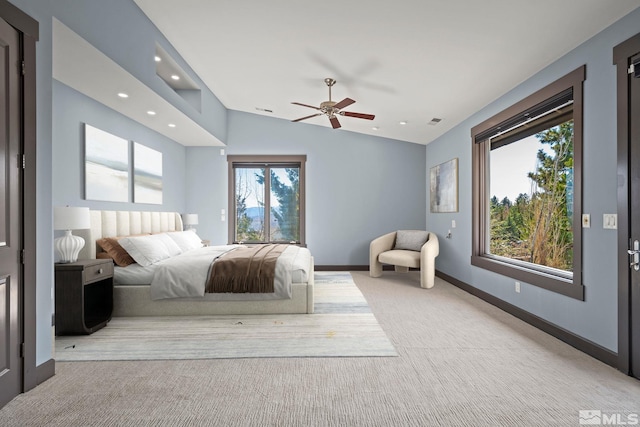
549,282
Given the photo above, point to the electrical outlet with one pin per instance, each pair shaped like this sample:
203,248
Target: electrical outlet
453,223
586,221
518,287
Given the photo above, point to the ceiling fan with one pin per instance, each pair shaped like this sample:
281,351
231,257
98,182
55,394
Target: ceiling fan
331,108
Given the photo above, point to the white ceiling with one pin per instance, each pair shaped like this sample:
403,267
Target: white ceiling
406,60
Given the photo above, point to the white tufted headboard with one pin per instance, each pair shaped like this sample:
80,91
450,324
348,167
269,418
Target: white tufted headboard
125,223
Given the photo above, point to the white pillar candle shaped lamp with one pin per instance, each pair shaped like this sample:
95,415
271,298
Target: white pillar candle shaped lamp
70,218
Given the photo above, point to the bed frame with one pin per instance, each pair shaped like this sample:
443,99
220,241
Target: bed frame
136,300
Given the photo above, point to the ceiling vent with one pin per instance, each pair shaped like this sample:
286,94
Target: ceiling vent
434,121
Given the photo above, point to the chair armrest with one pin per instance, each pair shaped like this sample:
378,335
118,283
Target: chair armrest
382,244
428,254
376,247
431,248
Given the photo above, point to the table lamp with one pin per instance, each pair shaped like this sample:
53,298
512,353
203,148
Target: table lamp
190,220
70,218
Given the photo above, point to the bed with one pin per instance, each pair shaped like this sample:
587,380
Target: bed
133,293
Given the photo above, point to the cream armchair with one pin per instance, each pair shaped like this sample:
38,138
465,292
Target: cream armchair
406,249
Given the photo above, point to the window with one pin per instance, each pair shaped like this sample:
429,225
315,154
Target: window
527,189
266,199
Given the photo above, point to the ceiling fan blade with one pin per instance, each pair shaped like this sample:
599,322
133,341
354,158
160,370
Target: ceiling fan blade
357,115
345,102
306,105
334,122
307,117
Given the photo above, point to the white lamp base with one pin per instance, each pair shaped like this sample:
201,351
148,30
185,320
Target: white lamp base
69,246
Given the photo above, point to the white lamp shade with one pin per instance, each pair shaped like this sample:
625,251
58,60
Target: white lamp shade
190,219
71,218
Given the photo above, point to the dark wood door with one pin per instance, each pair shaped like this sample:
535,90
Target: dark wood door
634,214
10,214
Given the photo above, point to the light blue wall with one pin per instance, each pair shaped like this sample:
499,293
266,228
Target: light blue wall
596,318
72,110
357,186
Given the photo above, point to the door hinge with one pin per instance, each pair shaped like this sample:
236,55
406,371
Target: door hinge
22,161
21,256
22,350
23,67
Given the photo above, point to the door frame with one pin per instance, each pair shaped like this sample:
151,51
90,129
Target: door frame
622,55
29,34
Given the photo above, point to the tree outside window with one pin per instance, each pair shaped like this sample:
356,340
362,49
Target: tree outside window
536,226
267,197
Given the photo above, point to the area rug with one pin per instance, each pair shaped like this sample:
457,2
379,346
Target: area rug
342,326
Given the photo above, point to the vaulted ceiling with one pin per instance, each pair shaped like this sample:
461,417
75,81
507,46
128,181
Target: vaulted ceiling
404,61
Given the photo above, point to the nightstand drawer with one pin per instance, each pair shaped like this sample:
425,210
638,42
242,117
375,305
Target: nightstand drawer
93,273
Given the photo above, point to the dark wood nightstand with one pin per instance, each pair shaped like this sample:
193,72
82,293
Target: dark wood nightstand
84,296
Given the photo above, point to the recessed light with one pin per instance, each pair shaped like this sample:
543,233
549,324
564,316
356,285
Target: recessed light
403,122
157,58
151,113
172,125
123,95
375,128
175,77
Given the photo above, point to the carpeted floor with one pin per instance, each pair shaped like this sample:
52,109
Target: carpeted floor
461,362
342,326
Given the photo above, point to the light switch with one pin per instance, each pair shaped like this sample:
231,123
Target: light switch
453,223
610,221
586,221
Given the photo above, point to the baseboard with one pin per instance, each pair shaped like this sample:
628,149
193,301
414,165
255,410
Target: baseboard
45,371
348,267
341,268
592,349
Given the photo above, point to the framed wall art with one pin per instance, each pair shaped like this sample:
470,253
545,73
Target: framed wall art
444,187
106,166
147,175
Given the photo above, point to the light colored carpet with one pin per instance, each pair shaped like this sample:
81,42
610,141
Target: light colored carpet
342,326
462,362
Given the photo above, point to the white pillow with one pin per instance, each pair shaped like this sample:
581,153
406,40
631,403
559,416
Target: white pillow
147,250
186,240
171,245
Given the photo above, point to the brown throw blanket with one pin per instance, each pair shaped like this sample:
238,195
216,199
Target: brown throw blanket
245,270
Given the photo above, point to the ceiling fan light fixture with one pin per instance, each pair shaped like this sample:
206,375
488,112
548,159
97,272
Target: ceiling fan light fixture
331,108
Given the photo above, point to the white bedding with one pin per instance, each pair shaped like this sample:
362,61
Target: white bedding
184,275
